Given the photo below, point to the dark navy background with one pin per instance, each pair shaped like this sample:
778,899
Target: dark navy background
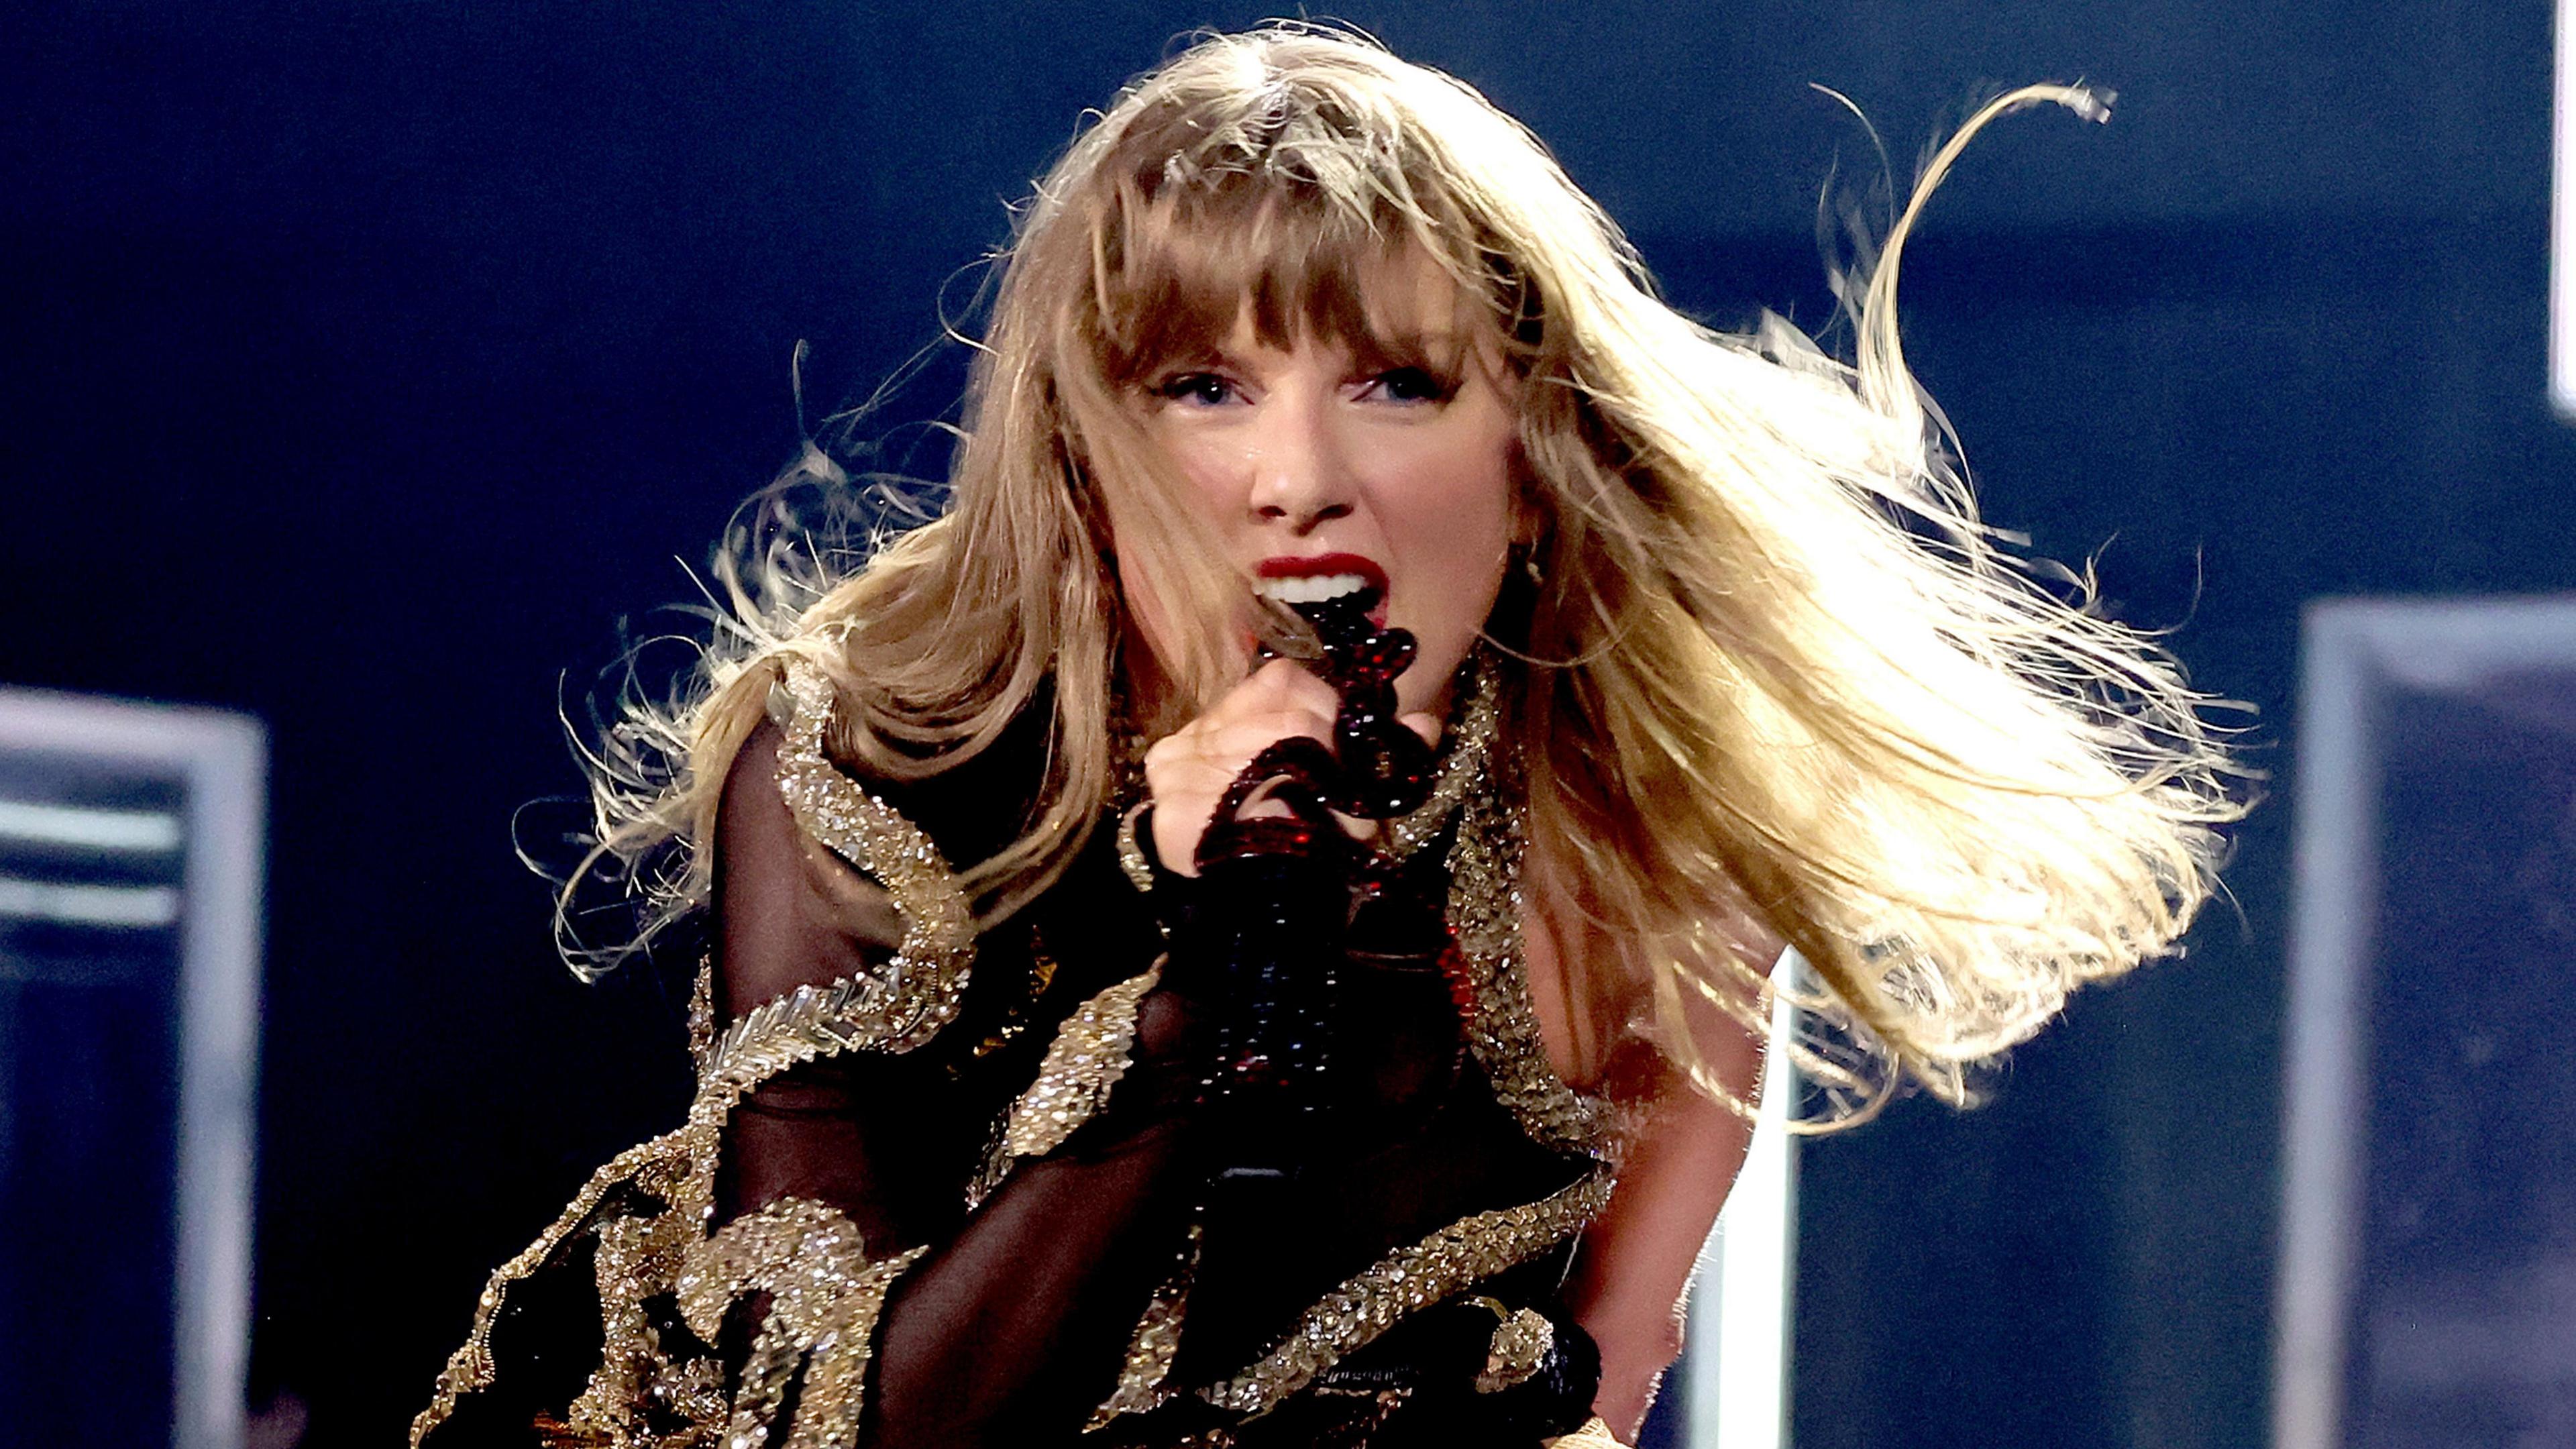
365,364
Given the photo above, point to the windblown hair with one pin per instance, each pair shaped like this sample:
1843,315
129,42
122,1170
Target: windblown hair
1779,681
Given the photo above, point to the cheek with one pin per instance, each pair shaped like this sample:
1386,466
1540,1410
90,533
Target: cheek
1458,523
1214,472
1472,533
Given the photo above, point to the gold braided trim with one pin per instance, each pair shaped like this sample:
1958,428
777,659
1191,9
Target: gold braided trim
854,1013
636,1256
1154,1346
661,1166
1131,849
895,1007
702,1009
1485,908
1086,1059
926,977
1353,1315
825,1299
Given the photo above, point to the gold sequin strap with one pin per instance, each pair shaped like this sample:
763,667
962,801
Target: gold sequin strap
825,1297
1485,909
1086,1059
1595,1434
1353,1315
894,1007
1462,764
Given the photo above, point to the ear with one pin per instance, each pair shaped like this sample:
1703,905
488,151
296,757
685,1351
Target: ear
1532,519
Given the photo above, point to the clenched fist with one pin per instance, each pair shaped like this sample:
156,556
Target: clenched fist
1189,770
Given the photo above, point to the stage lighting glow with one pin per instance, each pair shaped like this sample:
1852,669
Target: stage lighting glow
1736,1367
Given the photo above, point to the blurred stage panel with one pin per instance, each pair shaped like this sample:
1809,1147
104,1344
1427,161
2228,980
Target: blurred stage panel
130,843
2428,1274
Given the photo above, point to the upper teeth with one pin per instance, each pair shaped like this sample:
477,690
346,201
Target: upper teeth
1311,588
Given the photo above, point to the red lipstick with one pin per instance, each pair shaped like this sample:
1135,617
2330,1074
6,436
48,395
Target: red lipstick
1323,565
1326,565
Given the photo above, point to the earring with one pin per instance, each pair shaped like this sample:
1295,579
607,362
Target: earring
1529,566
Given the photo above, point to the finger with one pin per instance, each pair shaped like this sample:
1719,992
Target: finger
1210,760
1234,745
1279,720
1286,680
1424,724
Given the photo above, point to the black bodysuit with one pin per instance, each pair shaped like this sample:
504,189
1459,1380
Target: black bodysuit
952,1187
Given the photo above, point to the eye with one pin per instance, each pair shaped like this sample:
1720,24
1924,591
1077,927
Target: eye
1196,389
1411,385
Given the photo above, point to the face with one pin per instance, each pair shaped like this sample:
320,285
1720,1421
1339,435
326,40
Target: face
1326,470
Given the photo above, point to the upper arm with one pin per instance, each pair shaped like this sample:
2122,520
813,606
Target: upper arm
1636,1259
790,913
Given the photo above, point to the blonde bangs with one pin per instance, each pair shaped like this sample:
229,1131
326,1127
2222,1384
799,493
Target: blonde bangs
1294,218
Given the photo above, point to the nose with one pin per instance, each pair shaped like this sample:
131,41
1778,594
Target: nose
1301,474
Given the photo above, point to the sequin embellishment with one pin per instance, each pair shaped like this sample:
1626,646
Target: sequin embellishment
1485,909
1462,765
649,1208
1519,1346
903,1003
1086,1059
1154,1346
1404,1281
825,1296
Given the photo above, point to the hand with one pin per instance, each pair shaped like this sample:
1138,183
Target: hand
1186,772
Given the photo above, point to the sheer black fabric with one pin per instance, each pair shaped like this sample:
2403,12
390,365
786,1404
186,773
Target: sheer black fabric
1014,1325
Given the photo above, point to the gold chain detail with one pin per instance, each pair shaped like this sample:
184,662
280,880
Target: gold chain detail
702,1009
851,1014
893,1008
633,1258
661,1166
1471,747
1131,851
1353,1315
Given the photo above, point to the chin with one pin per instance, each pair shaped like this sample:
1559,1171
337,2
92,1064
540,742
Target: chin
1425,686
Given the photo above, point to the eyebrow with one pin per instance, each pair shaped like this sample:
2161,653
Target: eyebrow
1439,348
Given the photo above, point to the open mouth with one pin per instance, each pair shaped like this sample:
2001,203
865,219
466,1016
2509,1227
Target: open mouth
1332,576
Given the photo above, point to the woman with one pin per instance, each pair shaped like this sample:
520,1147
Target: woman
1098,1066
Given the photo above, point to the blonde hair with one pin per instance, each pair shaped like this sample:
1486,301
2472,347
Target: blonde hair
1779,681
